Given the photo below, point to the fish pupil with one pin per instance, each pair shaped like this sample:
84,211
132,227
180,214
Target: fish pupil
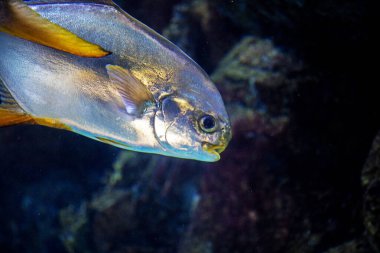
209,122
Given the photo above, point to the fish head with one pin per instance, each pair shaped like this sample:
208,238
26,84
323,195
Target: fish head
193,125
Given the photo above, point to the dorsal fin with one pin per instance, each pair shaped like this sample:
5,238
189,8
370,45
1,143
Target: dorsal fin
18,19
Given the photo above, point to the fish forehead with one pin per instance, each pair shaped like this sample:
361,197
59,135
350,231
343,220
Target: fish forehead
151,57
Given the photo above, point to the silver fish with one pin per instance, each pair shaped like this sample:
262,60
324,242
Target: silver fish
89,67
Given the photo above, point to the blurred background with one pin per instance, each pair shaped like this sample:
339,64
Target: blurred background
301,174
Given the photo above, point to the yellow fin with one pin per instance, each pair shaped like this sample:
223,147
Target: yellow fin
111,142
21,21
10,112
51,123
8,118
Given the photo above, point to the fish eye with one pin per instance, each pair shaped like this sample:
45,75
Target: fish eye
208,123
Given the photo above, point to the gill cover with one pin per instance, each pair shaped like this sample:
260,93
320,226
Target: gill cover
174,128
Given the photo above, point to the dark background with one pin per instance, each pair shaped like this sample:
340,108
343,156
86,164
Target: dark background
298,84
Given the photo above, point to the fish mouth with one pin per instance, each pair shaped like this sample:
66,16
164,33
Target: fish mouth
214,149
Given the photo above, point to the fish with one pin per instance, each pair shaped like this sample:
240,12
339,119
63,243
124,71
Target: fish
91,68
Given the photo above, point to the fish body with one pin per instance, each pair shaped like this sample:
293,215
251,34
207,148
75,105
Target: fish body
147,95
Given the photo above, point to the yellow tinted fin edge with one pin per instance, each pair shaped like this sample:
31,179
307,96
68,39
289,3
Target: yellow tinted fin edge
21,21
8,118
10,112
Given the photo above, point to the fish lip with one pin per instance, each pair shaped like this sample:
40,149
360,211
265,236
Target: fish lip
214,149
217,148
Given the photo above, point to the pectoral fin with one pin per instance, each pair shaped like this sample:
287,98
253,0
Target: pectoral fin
135,95
21,21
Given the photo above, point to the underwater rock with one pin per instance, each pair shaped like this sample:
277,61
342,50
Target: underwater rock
100,225
144,207
371,185
113,217
255,74
356,246
73,228
245,192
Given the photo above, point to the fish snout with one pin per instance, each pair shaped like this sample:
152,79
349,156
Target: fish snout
221,144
